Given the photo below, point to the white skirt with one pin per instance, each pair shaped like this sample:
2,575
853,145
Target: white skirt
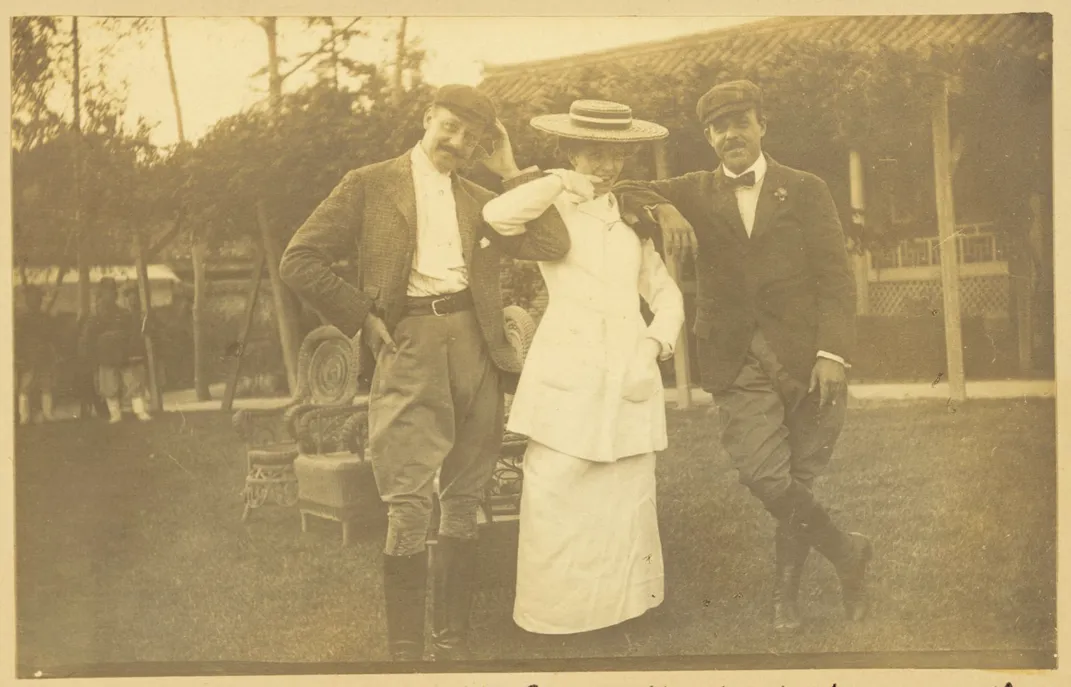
589,554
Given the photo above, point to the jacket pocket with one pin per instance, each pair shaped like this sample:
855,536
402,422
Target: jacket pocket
641,381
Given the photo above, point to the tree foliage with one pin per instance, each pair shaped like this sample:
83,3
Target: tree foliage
823,99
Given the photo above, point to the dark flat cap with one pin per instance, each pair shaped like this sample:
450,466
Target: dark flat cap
732,96
466,101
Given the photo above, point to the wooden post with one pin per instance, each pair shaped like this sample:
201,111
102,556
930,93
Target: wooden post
682,368
247,326
283,313
1024,293
946,226
145,295
860,263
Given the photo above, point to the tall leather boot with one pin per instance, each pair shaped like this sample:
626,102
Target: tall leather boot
453,572
405,581
790,554
850,553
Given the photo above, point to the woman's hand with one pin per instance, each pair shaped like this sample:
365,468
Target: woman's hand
642,376
580,187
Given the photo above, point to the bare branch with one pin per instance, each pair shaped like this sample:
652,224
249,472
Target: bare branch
330,39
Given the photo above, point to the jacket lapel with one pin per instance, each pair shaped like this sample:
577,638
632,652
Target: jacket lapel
405,192
725,207
769,206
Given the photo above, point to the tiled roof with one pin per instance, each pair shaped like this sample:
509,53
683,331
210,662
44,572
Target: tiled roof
748,43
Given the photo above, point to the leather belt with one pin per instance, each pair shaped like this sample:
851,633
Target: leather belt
440,305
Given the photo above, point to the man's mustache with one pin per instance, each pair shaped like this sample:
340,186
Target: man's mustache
452,151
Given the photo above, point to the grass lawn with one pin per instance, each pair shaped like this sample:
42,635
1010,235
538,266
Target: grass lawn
130,548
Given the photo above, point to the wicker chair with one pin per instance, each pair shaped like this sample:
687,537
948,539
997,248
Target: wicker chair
320,418
312,452
503,497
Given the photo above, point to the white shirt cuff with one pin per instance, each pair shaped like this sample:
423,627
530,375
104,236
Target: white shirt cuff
833,356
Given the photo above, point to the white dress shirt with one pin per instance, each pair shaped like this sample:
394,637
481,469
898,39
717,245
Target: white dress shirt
747,198
438,261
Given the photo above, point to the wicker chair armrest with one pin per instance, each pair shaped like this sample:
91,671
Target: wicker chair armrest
244,420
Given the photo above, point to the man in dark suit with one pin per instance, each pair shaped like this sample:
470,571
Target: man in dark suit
428,305
775,326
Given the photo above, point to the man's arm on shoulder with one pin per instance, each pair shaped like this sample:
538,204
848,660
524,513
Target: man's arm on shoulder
829,263
641,197
332,231
544,238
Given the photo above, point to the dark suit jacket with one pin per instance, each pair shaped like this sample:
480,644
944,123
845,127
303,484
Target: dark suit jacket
791,278
373,210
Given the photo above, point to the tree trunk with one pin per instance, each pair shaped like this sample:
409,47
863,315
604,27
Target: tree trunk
284,300
283,312
173,82
79,229
200,379
145,296
275,79
399,63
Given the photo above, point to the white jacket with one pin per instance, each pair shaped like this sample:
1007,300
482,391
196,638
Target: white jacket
583,390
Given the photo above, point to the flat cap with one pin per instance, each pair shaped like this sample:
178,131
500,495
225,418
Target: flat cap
466,101
731,96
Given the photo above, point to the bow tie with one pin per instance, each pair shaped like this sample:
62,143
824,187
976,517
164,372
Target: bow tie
742,181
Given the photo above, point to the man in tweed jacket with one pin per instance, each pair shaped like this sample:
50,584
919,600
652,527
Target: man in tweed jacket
775,326
429,307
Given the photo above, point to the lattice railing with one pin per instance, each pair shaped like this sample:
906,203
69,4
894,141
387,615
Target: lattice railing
979,296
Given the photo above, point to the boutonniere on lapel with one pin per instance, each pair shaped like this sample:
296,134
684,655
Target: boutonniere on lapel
485,242
780,194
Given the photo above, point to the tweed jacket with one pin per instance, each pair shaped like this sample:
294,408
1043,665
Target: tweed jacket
791,278
373,211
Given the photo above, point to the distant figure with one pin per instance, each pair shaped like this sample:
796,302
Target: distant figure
35,356
112,338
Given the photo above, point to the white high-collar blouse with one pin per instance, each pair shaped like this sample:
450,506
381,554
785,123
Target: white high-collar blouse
584,390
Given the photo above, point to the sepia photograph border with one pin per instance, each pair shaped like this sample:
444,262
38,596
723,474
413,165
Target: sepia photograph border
944,668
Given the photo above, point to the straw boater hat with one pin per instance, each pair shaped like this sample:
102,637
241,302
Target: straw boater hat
600,120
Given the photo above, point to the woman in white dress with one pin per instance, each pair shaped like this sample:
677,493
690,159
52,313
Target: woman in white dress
590,398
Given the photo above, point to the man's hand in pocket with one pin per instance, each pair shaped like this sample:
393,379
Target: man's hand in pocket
376,335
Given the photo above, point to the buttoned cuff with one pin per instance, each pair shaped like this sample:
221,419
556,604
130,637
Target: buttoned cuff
834,357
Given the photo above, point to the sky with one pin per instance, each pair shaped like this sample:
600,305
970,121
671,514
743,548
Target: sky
215,58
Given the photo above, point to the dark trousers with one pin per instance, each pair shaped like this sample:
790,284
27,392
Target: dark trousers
435,407
773,429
